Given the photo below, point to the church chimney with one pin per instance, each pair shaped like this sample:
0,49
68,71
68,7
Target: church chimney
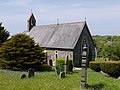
31,22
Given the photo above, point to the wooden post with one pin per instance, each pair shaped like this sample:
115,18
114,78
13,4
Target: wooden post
84,68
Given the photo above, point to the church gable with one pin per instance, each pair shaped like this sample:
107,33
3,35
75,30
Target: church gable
84,40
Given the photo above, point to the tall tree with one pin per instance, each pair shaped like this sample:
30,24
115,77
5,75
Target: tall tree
3,34
20,53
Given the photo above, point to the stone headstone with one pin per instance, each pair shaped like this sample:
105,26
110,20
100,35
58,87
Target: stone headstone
62,75
57,69
30,72
84,68
66,65
23,76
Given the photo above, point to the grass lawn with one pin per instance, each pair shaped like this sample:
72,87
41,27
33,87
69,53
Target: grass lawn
50,81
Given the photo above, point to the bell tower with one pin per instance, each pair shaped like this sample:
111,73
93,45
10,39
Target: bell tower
31,22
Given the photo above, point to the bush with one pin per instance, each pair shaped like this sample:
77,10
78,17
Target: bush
112,68
45,67
60,63
95,66
20,52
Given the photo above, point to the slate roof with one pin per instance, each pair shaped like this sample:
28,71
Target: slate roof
59,36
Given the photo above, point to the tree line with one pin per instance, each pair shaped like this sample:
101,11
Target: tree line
108,46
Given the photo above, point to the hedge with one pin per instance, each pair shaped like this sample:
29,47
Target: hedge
95,66
112,68
60,63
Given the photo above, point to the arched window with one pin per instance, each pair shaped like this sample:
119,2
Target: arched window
84,43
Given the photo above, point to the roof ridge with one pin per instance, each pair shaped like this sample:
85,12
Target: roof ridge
62,23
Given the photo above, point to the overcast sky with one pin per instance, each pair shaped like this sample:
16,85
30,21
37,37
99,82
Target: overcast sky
102,16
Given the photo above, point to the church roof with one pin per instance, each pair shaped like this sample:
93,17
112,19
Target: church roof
57,36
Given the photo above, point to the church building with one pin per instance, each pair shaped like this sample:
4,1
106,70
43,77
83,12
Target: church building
63,39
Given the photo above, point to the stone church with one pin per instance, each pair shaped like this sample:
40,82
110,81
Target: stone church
62,39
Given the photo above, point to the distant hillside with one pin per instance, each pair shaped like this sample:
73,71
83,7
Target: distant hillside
108,46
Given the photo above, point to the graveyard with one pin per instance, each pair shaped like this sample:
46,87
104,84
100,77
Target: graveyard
50,81
60,45
56,79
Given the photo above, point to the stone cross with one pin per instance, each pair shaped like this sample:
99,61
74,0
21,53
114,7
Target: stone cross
66,65
84,67
57,69
30,72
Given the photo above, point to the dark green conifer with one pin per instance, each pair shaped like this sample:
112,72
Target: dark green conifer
21,53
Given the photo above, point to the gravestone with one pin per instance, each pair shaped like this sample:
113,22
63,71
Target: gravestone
66,65
23,76
57,69
84,67
62,75
30,72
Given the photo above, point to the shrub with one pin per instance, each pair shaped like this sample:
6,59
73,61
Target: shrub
95,66
112,68
53,68
45,67
60,63
20,52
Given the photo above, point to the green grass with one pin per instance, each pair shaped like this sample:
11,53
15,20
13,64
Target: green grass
50,81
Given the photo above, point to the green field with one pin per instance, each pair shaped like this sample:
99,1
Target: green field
50,81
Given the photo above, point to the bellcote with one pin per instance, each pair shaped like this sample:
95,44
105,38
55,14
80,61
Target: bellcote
31,22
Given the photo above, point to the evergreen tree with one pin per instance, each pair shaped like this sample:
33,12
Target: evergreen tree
21,53
3,34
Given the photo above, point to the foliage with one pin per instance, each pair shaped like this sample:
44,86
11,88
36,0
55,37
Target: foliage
20,53
112,68
108,46
3,35
60,63
95,66
45,67
50,81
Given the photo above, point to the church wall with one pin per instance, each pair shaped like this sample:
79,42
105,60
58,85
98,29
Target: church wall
85,38
91,47
77,54
53,54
